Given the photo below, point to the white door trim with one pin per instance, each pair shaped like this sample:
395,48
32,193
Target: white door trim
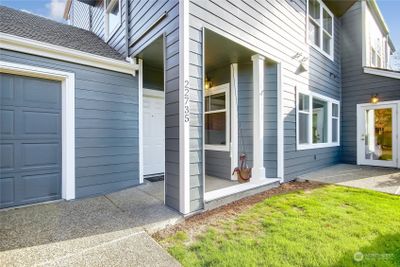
140,101
396,132
67,80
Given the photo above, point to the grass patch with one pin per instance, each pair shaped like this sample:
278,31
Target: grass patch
321,227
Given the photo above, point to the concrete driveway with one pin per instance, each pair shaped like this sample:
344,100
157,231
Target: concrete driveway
109,230
374,178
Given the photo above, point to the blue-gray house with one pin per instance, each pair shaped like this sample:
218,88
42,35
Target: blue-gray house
132,89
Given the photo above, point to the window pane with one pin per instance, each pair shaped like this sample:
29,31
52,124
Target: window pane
313,33
215,128
320,121
207,103
313,9
303,128
373,57
113,18
304,102
335,110
217,102
334,130
327,43
327,21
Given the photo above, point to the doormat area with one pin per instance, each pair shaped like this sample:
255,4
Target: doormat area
153,179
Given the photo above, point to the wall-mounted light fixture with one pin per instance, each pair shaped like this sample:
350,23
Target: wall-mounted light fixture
207,83
374,99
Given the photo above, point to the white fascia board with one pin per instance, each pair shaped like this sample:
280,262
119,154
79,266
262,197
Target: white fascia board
29,46
384,73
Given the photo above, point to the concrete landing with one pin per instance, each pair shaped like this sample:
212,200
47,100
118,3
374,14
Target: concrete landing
380,179
64,230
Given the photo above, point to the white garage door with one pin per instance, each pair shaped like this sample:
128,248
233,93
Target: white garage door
153,132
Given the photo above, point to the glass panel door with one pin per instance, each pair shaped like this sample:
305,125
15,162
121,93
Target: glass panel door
378,140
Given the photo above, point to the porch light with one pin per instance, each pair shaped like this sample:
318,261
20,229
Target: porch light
207,83
374,99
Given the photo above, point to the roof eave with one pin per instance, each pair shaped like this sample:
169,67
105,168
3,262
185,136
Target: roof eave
33,47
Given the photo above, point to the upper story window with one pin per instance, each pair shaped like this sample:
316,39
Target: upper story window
112,17
320,27
317,121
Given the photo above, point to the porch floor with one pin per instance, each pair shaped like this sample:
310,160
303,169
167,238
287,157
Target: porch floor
375,178
93,230
214,183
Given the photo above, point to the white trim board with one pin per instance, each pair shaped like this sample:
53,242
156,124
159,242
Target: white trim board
29,46
184,109
67,80
230,190
140,101
384,73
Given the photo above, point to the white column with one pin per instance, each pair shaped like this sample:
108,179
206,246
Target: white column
258,117
234,119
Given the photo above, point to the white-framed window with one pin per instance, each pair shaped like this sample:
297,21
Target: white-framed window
216,118
112,20
320,27
376,52
317,121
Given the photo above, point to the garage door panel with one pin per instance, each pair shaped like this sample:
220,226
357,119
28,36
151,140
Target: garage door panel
30,140
6,157
6,191
40,155
41,93
7,122
35,122
39,186
7,92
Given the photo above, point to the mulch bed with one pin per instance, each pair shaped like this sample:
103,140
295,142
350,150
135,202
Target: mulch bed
199,222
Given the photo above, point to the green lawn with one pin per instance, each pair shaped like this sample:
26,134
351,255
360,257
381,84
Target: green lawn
322,227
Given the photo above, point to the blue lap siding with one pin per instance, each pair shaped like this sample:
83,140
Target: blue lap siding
106,124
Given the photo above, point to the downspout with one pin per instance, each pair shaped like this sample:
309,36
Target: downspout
127,27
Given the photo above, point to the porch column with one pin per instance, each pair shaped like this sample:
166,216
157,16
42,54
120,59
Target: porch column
258,116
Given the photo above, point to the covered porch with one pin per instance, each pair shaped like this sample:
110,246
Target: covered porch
240,115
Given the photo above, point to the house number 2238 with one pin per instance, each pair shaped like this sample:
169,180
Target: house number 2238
186,103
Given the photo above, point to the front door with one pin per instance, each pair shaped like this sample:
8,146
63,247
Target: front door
377,139
153,133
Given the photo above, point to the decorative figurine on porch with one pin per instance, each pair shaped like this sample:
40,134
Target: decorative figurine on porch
243,172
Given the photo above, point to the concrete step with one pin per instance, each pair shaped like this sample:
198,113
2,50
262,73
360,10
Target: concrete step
220,197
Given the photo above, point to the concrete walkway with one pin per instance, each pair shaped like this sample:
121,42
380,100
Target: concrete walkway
109,230
375,178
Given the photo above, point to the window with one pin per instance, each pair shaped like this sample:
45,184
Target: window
112,17
320,27
216,114
317,121
376,52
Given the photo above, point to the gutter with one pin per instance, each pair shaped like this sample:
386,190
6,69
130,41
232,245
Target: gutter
37,48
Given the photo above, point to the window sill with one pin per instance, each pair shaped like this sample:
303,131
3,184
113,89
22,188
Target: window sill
316,146
216,148
321,51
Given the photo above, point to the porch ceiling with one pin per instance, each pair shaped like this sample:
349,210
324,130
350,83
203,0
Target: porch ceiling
220,51
153,54
339,7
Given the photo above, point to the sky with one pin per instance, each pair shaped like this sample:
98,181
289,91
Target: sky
54,9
